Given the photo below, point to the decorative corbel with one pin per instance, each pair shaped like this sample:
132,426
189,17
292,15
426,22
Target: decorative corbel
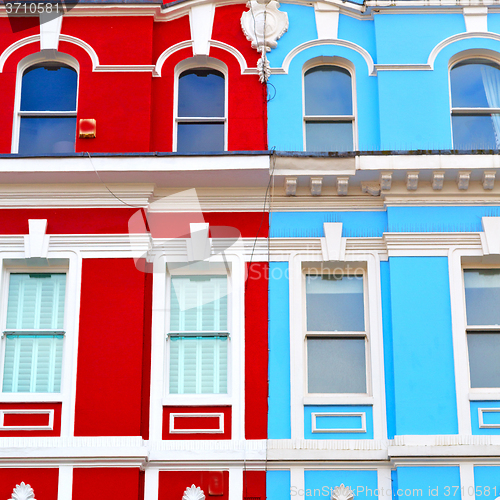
385,181
342,186
199,245
463,179
489,179
36,243
316,184
437,180
412,181
290,186
263,25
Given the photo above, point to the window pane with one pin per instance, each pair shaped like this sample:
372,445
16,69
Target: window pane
484,353
201,93
475,132
36,301
336,365
470,82
328,91
49,87
198,303
329,136
198,365
200,137
335,304
47,135
482,296
33,363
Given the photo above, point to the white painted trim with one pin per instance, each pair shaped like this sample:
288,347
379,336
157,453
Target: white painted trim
237,54
361,429
50,30
219,430
151,483
476,19
340,43
48,427
482,425
455,38
16,45
167,53
235,487
24,64
65,483
327,20
467,483
384,483
199,62
297,478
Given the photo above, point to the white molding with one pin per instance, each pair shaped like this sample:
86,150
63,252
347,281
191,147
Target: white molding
193,493
360,414
315,43
236,483
490,238
219,430
482,425
151,483
48,427
327,20
23,491
14,46
167,53
36,243
245,70
467,482
333,245
342,493
201,20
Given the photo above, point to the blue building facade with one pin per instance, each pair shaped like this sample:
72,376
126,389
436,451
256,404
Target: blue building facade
385,255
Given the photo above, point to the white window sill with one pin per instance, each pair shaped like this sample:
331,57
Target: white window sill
197,400
30,397
492,395
338,399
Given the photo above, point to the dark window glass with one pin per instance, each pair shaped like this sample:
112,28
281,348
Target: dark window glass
201,93
484,353
329,136
49,87
328,91
46,135
200,137
336,365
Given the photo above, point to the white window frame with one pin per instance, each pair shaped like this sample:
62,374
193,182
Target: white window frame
488,56
374,353
199,62
68,262
340,63
160,368
338,334
217,271
24,64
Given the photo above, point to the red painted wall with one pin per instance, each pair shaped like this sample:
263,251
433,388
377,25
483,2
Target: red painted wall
105,483
146,351
13,420
172,484
256,351
42,480
254,485
109,392
167,410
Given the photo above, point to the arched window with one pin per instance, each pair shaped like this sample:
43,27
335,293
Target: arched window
475,104
328,109
47,111
201,111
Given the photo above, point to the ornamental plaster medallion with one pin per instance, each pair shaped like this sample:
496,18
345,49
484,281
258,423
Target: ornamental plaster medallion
23,492
263,25
342,493
193,493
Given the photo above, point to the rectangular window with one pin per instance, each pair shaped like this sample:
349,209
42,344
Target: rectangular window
34,333
336,334
482,296
198,335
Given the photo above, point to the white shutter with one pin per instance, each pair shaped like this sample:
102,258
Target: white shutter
198,365
198,303
33,363
36,302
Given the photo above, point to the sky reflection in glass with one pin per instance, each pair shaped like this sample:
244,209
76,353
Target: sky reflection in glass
201,93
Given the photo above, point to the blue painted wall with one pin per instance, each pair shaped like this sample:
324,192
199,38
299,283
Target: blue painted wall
487,482
436,483
279,426
390,401
424,375
488,418
278,485
335,422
